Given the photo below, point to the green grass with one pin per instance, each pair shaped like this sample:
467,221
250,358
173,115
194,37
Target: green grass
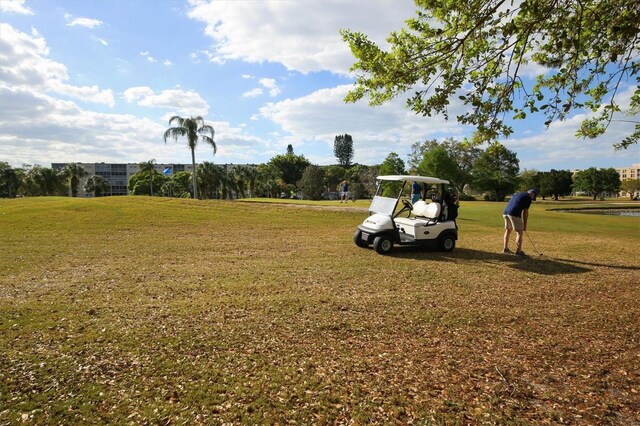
170,311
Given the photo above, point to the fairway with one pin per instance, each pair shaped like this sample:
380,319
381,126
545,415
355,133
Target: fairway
140,310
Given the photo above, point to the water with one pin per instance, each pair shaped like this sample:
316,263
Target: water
614,212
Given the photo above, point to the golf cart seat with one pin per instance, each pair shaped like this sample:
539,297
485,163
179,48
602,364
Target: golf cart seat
429,211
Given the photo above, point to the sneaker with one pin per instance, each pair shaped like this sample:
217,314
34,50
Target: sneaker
506,251
520,253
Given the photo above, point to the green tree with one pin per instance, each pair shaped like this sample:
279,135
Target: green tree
210,179
98,185
267,181
252,174
170,189
40,180
72,173
245,179
333,175
343,149
392,165
529,178
476,51
596,181
140,183
496,172
312,183
555,183
193,129
368,180
630,186
438,163
289,166
9,181
148,168
462,152
183,181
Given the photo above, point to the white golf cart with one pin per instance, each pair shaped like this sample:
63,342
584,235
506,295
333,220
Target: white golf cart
427,222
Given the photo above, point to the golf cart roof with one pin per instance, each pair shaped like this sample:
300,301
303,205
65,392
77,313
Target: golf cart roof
419,179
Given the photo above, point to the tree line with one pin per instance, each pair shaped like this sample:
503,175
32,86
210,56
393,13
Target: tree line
493,172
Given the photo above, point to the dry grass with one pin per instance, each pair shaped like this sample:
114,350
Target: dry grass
156,311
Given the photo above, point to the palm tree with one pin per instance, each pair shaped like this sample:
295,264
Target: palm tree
210,177
238,179
252,174
73,172
98,185
148,168
193,129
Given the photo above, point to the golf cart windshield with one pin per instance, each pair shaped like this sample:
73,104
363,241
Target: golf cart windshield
383,205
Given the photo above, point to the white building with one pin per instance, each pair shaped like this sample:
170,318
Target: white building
118,174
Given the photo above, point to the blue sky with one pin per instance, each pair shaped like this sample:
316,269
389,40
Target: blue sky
97,80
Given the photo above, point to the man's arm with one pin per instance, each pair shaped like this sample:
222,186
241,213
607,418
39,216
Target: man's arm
525,216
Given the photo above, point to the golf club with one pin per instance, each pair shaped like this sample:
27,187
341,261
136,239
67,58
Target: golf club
533,245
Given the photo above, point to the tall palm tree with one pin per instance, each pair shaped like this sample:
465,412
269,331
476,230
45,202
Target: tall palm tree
148,168
194,129
73,173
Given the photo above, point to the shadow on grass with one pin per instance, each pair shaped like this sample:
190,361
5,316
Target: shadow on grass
536,264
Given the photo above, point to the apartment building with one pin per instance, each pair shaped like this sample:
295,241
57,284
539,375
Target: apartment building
632,172
118,174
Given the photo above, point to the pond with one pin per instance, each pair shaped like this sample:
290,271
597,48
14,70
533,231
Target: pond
609,212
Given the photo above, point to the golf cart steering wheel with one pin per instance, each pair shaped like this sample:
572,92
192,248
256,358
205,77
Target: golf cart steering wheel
407,204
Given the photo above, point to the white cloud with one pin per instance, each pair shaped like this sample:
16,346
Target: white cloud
148,56
134,94
101,41
270,84
81,22
26,65
300,35
59,130
316,119
185,102
558,147
195,58
253,93
167,62
15,6
86,93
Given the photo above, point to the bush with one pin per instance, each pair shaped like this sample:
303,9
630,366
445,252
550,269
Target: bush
312,183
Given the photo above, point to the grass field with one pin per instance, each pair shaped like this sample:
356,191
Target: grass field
137,310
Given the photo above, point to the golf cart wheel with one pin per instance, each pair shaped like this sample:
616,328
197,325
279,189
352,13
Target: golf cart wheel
447,243
383,244
357,238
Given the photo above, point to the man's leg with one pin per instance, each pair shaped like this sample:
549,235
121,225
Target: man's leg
507,231
505,246
518,241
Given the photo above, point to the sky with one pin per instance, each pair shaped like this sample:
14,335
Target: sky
97,81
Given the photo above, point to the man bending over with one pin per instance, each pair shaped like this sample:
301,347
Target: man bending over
515,217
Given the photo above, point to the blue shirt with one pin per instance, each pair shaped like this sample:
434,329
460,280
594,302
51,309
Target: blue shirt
416,188
519,202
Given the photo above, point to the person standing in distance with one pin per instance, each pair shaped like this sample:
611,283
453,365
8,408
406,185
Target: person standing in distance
344,191
515,217
416,192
